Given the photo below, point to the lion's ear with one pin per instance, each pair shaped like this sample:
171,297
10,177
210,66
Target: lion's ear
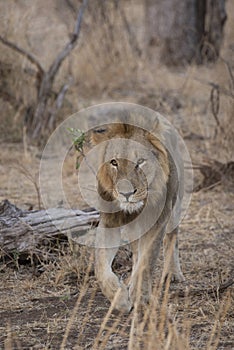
161,151
98,135
157,144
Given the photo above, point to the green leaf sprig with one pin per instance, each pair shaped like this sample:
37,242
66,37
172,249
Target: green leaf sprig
78,139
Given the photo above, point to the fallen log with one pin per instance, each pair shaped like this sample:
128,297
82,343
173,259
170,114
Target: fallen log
25,232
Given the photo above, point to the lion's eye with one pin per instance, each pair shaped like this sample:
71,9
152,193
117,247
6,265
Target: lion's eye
114,162
99,131
140,161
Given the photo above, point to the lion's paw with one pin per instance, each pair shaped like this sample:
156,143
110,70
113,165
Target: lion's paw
174,277
121,301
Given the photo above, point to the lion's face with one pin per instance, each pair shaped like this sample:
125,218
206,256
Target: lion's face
133,167
129,184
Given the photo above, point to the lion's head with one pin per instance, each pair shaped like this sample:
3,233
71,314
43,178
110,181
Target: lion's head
134,166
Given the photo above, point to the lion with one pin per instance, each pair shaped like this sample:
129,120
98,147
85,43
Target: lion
140,179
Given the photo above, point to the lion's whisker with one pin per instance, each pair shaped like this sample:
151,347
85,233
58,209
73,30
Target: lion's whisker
88,189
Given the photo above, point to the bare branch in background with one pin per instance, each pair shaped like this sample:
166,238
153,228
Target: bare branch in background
39,122
58,104
40,117
23,52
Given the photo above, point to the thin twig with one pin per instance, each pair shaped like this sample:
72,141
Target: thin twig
23,52
222,90
70,45
214,99
213,290
24,171
58,103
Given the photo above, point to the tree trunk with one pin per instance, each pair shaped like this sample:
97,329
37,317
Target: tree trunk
185,31
28,231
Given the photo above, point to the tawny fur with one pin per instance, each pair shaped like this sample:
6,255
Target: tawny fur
154,181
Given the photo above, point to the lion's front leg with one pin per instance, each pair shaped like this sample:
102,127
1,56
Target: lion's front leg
111,286
171,257
145,253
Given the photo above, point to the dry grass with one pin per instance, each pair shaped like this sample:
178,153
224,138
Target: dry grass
58,304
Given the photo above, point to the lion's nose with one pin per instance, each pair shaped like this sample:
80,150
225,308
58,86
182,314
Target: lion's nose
127,194
125,188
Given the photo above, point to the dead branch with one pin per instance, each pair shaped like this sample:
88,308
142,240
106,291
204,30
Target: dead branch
28,232
57,105
215,290
23,52
40,117
39,123
69,46
222,89
215,102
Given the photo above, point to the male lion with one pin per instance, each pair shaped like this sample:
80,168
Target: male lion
139,185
